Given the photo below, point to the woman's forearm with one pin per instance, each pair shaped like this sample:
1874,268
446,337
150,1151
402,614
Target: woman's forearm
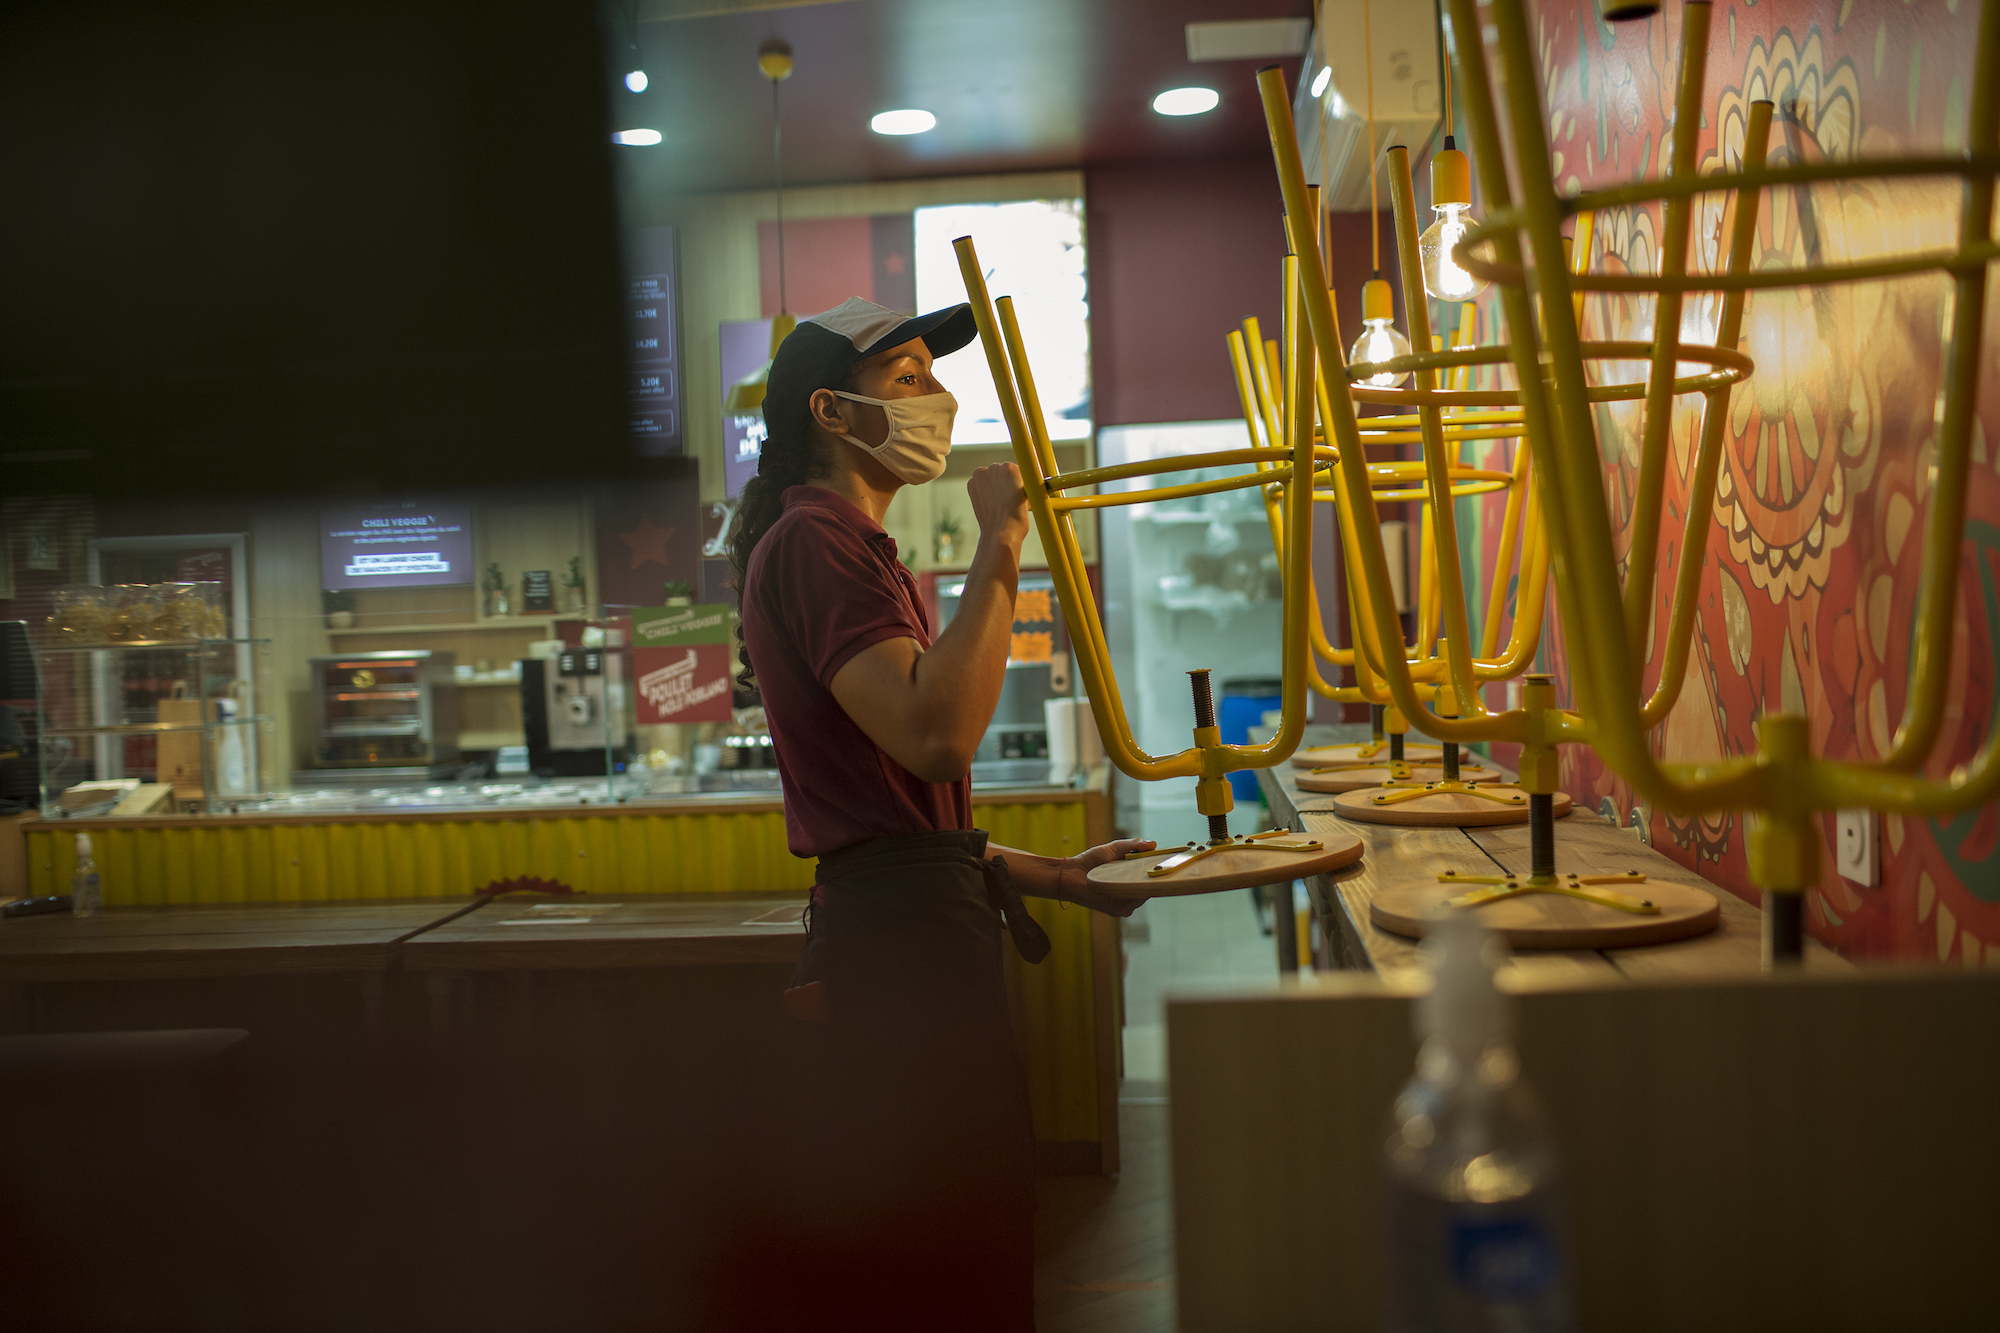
1038,876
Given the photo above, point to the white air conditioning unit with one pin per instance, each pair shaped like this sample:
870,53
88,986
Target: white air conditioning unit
1403,38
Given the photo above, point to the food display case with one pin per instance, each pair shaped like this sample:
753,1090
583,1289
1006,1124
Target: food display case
382,714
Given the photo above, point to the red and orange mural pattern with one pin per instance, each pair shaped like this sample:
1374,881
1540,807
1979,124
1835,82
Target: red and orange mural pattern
1812,558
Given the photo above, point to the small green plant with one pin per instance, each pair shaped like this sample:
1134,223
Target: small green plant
944,546
677,588
332,600
574,577
495,580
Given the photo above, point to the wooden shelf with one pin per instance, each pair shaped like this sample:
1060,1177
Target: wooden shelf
464,626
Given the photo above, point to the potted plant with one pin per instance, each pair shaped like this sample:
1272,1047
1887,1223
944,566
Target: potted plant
946,543
339,607
572,585
497,605
678,593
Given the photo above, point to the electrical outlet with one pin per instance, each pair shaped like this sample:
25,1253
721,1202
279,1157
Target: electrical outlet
1855,852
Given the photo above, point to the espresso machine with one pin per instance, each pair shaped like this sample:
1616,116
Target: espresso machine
573,708
385,715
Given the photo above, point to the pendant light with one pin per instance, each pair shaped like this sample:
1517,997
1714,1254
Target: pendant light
1451,198
1380,340
774,58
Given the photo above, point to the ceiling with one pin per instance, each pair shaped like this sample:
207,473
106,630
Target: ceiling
1016,85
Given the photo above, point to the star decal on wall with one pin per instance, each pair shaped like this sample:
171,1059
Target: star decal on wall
647,543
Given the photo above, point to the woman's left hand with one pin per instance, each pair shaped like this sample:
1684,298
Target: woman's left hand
1074,879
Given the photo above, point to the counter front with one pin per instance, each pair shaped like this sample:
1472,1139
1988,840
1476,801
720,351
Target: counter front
1066,1009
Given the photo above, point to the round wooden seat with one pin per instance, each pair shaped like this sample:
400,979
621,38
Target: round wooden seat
1440,809
1348,754
1241,865
1340,779
1557,921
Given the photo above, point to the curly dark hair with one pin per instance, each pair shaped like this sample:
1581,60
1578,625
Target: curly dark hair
788,460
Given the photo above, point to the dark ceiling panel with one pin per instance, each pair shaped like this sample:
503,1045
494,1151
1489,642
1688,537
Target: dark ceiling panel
1016,85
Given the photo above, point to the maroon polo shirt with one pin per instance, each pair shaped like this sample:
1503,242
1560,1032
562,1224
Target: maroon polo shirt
823,584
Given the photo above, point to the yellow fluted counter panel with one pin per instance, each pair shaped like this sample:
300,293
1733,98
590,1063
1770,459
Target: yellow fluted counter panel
161,863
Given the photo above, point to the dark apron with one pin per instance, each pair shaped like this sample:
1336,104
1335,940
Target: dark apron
923,1143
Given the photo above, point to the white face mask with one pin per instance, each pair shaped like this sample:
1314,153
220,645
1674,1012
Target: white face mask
919,434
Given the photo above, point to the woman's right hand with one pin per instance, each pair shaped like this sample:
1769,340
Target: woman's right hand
999,504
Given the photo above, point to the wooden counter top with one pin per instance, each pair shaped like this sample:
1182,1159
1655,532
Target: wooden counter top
667,930
149,943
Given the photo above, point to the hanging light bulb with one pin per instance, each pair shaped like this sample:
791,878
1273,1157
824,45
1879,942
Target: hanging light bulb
1451,195
1379,340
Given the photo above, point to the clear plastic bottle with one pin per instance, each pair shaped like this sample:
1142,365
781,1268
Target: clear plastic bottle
85,897
1474,1229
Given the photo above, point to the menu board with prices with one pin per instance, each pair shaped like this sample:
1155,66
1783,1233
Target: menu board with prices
654,344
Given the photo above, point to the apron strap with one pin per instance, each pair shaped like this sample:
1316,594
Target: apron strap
1030,940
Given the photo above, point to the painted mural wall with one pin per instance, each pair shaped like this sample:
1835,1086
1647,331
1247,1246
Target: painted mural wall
1812,559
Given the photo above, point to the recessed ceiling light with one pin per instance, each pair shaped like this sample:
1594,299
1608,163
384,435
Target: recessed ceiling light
641,138
1321,79
636,80
1186,101
909,121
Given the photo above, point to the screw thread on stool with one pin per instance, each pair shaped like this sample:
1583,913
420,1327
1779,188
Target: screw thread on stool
1204,700
1395,747
1541,833
1375,712
1451,761
1204,716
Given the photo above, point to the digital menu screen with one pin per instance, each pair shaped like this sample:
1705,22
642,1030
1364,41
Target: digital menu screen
399,544
649,314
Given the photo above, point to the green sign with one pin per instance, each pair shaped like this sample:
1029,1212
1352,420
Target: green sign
675,626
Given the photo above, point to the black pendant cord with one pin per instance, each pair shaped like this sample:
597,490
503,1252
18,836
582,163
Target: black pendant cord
1204,717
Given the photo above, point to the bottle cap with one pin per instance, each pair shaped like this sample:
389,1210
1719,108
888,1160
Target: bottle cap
1463,1004
82,845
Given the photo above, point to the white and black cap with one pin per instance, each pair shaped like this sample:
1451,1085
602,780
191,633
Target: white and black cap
823,349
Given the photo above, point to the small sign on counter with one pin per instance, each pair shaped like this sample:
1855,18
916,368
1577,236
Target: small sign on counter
538,591
682,663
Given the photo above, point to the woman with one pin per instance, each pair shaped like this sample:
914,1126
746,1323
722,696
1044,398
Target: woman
921,1133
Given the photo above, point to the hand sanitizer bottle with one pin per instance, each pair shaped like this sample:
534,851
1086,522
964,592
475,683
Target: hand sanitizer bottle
1474,1236
85,899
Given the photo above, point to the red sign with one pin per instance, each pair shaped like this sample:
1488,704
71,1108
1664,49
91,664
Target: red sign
690,683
